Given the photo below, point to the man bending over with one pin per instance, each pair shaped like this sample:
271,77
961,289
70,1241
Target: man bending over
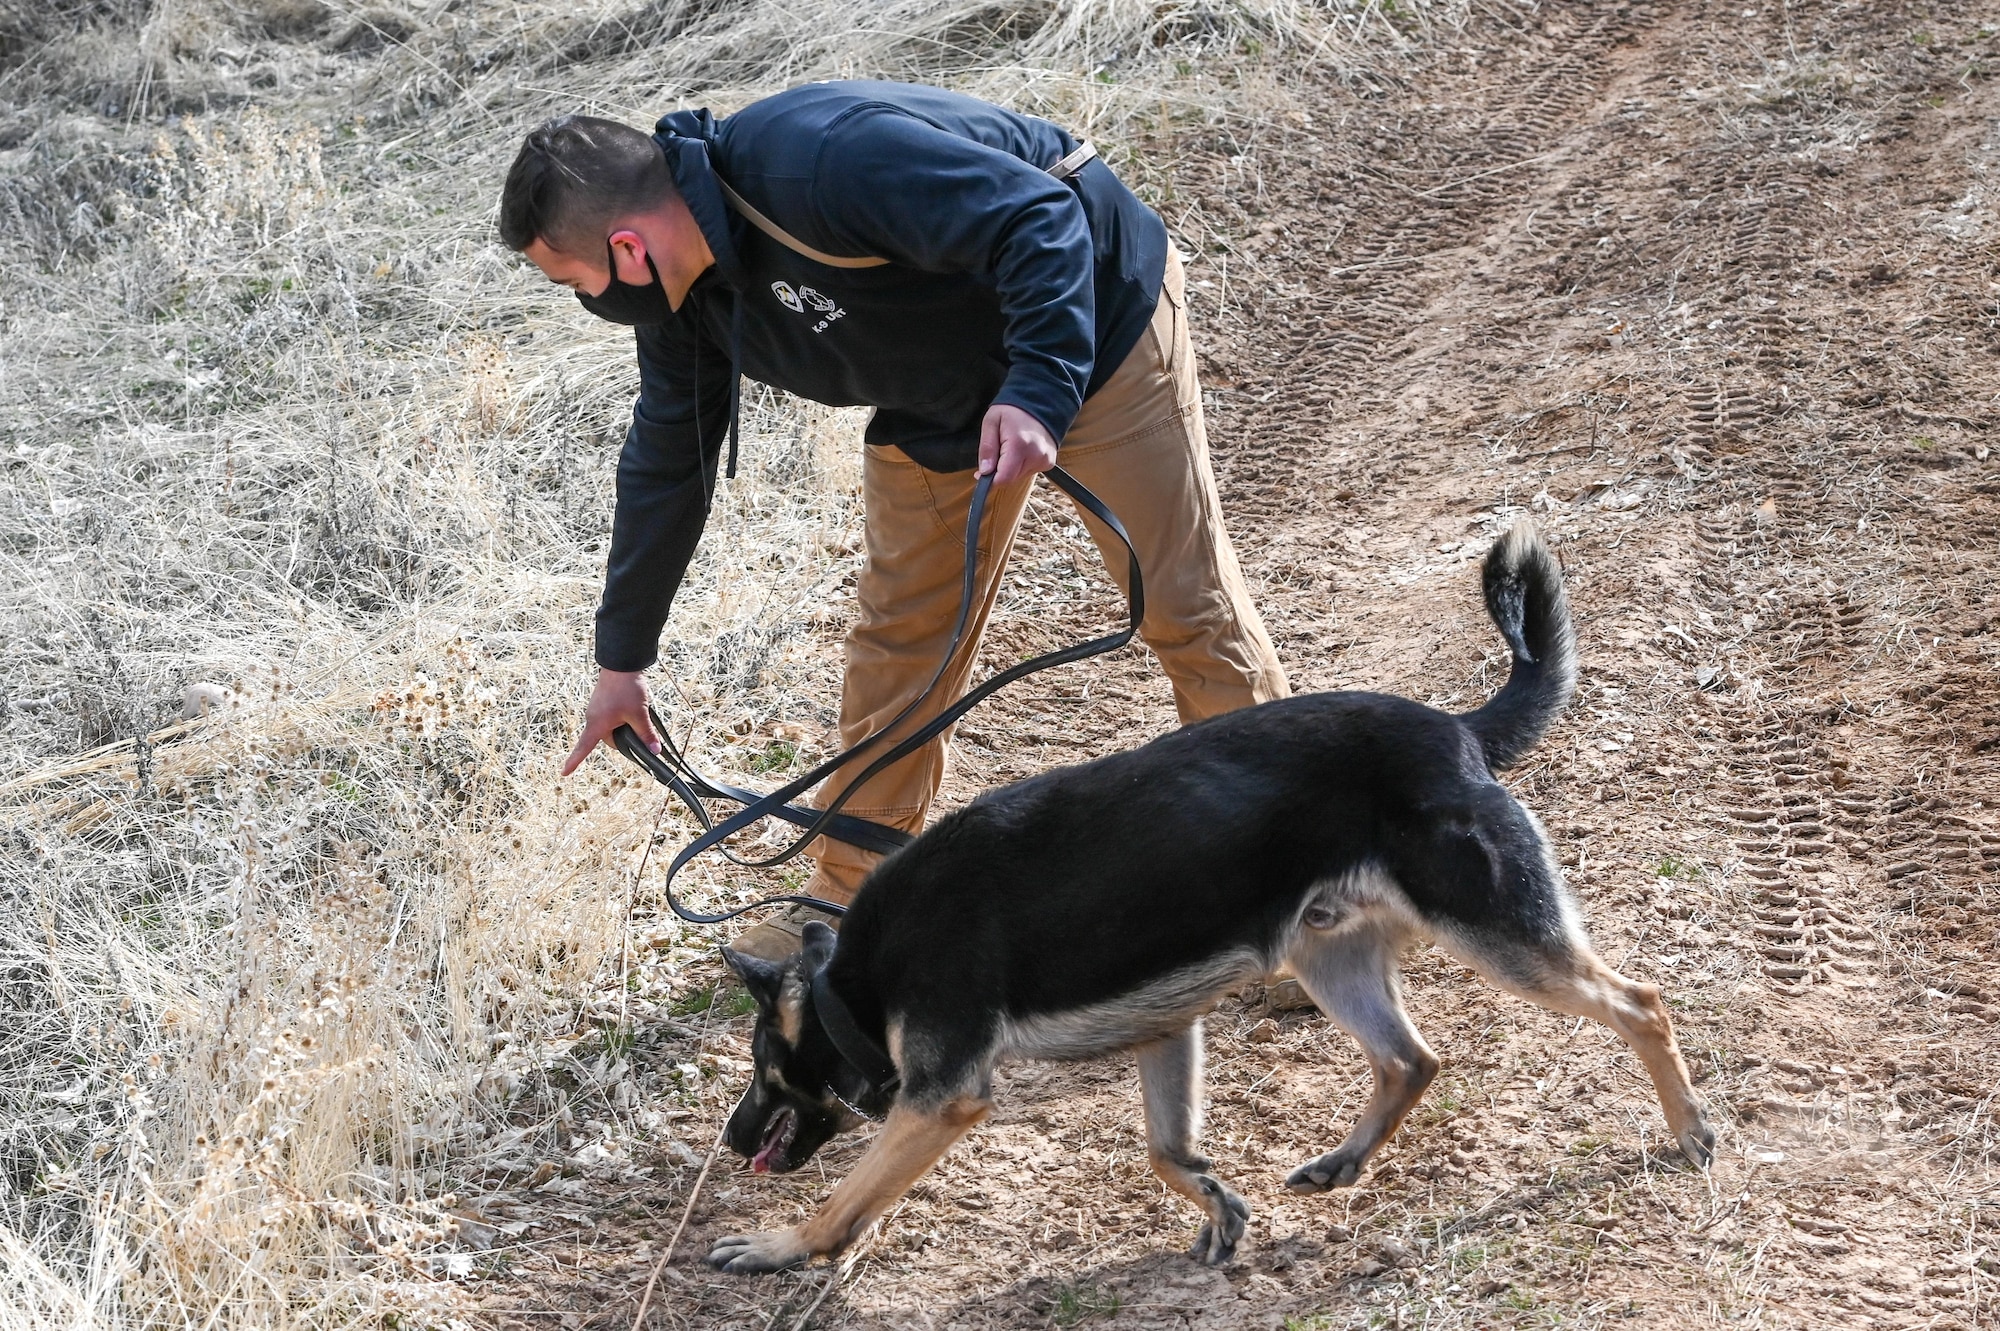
976,276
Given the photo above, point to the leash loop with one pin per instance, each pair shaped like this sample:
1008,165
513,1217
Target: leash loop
672,769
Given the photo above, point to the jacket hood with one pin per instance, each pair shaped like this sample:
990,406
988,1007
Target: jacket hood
686,137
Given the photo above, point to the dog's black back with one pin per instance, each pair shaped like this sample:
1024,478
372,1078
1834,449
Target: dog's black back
1080,885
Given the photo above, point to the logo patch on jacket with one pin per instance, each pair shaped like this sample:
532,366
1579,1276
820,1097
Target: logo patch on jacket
797,300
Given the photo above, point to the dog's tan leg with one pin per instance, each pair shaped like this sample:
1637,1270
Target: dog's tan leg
911,1141
1350,971
1170,1080
1575,981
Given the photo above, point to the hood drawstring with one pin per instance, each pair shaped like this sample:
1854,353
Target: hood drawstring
735,379
735,400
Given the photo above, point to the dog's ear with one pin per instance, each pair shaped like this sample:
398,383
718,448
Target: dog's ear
817,945
762,978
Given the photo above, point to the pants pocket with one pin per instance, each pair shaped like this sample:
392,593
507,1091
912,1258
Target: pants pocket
1169,328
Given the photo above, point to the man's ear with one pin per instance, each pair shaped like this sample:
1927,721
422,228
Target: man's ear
628,250
762,978
818,941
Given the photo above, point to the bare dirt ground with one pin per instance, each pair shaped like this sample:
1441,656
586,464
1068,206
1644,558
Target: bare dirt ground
1709,291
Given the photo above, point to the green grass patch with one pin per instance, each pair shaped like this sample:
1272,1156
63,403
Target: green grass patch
1082,1301
617,1037
781,756
1440,1105
726,1000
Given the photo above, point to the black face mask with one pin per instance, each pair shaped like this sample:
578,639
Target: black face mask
624,303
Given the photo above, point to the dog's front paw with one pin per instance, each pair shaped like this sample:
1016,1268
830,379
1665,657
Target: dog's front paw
1335,1169
1216,1243
754,1254
1698,1143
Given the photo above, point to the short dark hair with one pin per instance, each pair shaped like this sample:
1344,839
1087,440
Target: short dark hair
574,176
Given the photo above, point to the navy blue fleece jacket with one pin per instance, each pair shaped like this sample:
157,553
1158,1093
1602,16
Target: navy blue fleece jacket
1003,284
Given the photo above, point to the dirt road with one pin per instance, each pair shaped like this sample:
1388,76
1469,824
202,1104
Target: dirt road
1709,291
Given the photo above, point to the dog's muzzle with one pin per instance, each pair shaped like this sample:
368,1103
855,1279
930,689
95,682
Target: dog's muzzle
771,1157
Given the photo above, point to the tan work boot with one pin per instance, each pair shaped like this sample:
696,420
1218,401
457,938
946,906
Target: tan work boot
780,936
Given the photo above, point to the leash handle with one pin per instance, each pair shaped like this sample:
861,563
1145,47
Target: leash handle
671,768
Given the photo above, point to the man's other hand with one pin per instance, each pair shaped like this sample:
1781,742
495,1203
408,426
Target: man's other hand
618,700
1013,444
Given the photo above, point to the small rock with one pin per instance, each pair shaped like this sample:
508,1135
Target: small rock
1339,1234
473,1231
1263,1032
199,699
1394,1252
1262,1290
1368,1266
1287,995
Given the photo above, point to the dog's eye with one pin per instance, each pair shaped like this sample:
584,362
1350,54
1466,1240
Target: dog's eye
1319,917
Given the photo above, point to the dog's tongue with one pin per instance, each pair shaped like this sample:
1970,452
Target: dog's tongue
776,1138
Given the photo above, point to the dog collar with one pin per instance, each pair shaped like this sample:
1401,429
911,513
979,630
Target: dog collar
855,1045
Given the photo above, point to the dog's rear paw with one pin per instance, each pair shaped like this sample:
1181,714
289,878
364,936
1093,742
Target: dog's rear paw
1216,1243
1335,1169
754,1254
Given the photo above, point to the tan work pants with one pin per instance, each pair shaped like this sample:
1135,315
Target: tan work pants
1139,444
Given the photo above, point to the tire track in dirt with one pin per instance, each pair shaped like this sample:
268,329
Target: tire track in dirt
1370,310
1823,841
1310,343
1795,810
1824,851
1837,855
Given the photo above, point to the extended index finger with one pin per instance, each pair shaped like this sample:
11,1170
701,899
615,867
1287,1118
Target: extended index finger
593,735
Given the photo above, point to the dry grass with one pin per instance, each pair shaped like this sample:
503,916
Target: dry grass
277,416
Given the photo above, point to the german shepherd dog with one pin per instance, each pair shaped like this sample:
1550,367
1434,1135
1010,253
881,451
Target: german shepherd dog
1108,906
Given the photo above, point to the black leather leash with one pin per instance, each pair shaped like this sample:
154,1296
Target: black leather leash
672,769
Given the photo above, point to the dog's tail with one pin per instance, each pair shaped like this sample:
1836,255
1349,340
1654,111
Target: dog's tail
1524,594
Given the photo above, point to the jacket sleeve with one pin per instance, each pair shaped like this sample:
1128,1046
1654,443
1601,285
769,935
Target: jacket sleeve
666,473
891,184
